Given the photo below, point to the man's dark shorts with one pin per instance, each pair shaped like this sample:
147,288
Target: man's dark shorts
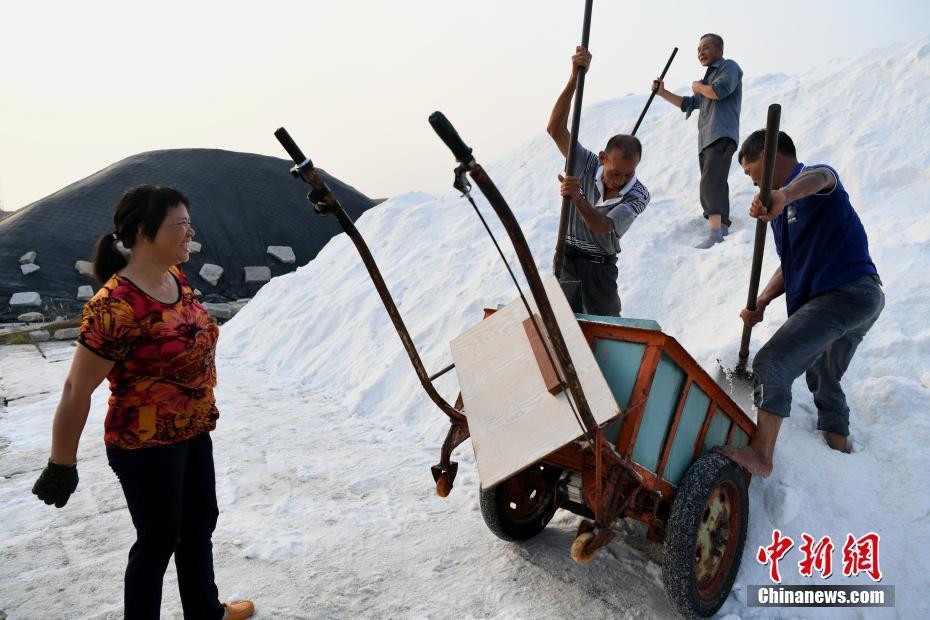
820,339
590,287
715,162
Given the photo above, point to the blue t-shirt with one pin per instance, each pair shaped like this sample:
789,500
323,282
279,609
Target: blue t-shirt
821,243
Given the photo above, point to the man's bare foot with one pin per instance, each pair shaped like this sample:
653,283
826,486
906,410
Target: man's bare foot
837,442
748,457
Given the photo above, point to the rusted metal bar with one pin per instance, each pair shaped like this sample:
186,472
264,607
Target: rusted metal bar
436,375
463,154
611,480
525,256
325,203
394,315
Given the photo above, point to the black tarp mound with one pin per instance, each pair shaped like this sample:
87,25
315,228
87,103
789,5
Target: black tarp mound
241,203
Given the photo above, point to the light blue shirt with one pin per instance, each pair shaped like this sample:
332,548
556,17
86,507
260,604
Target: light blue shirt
719,117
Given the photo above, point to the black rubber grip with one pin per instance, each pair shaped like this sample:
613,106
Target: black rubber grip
450,136
292,149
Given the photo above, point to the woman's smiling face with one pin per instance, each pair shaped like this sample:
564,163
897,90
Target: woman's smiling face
173,239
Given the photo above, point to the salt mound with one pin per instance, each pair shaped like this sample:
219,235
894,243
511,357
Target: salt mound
324,328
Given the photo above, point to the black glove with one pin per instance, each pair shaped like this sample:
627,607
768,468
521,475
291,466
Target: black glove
56,484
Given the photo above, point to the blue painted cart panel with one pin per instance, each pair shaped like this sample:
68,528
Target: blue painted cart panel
619,362
740,438
689,427
718,431
660,409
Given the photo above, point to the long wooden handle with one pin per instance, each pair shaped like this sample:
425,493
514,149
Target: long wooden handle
573,143
652,95
765,192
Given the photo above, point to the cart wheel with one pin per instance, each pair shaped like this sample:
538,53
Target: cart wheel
581,548
521,506
705,535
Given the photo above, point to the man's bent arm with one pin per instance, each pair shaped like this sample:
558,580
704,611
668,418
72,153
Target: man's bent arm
704,89
596,221
671,97
813,181
558,120
809,182
775,288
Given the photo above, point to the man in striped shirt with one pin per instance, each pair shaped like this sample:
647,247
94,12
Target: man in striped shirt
606,198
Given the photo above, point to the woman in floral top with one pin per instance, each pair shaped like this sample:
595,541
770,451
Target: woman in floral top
147,334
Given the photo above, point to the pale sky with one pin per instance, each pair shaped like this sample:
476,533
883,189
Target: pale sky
85,84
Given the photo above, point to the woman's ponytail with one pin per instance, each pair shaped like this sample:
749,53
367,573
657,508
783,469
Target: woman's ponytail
107,258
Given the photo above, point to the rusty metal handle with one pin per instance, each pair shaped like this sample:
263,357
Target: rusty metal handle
450,136
538,291
290,146
348,226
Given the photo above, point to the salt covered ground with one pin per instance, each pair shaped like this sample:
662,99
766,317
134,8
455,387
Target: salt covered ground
325,440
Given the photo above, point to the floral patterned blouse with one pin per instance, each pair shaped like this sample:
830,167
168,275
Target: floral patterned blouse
161,387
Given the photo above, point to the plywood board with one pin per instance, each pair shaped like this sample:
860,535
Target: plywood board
513,419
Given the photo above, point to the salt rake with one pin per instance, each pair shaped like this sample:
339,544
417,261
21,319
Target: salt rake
739,379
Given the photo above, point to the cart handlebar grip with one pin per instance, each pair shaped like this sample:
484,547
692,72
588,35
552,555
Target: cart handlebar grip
290,146
450,136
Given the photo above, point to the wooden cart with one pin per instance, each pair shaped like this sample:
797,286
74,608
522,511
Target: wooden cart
608,418
655,463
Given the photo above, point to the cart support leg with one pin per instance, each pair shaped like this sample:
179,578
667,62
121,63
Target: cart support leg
611,480
444,473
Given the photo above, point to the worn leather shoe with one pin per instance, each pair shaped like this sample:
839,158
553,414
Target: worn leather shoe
238,610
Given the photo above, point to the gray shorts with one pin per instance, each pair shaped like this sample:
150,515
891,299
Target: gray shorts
820,339
715,161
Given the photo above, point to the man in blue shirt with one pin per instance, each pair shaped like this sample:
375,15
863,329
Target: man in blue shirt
832,290
718,96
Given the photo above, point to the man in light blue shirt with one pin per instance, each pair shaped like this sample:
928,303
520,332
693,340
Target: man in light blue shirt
719,97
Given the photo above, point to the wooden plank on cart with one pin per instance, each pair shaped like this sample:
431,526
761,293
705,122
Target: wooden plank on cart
544,354
514,420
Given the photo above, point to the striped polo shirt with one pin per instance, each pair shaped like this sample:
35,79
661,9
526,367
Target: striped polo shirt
622,209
